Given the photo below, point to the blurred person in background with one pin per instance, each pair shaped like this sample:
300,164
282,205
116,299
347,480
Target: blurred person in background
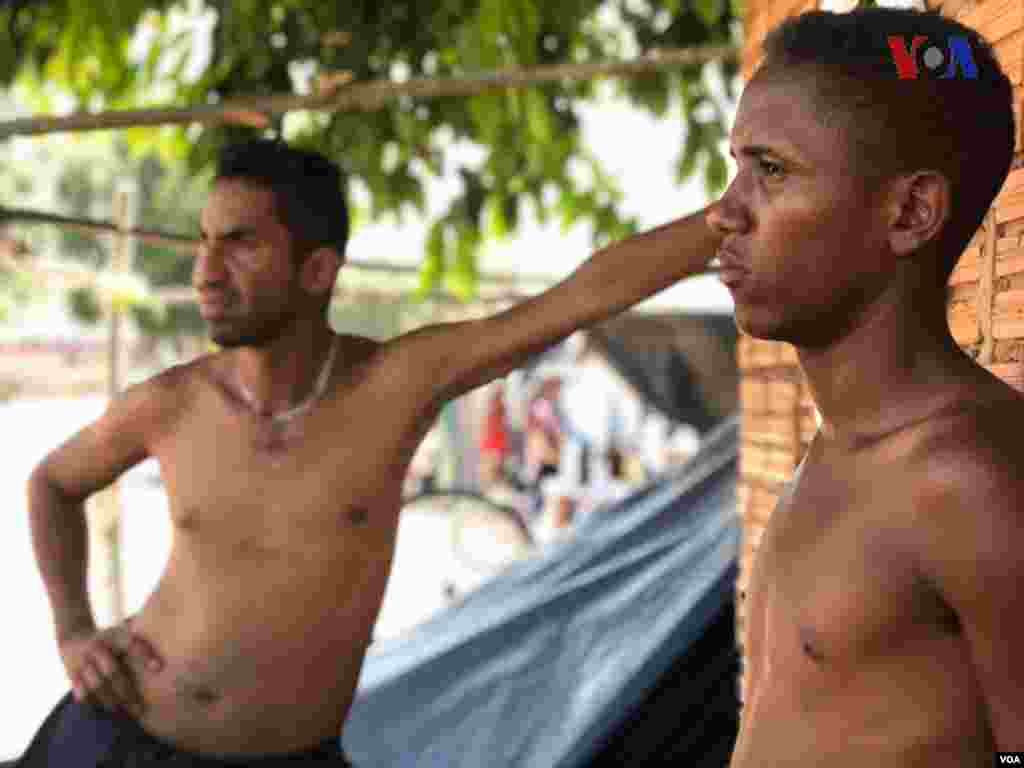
494,439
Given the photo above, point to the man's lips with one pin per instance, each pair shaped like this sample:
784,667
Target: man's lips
212,304
730,269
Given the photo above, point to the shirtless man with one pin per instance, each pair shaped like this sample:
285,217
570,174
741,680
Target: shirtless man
283,457
885,623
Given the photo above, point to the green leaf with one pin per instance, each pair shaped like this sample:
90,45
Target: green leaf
85,306
489,23
461,279
494,217
710,11
538,116
692,146
434,259
716,173
487,114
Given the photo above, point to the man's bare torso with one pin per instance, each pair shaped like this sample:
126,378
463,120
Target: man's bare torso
279,558
854,658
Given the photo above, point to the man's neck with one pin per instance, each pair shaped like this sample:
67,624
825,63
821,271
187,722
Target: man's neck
897,366
285,373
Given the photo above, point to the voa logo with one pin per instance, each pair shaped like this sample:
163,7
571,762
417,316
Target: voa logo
1009,759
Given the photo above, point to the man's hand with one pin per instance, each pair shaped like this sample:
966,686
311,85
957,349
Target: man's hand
98,664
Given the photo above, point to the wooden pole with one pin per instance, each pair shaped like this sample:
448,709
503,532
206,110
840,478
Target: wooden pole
109,513
368,96
187,245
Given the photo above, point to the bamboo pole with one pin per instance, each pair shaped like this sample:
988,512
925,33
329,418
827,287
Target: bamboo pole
367,96
107,514
187,245
92,227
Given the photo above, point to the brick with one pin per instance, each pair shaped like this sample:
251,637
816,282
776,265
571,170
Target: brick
808,426
964,293
995,19
1010,53
787,354
1010,263
1014,182
1014,228
1018,121
771,428
963,323
1009,212
1006,198
1008,315
1011,373
773,464
1004,244
764,354
757,517
742,352
964,273
783,395
753,394
956,8
1008,328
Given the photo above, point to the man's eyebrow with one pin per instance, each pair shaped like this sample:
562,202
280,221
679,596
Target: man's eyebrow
757,150
235,233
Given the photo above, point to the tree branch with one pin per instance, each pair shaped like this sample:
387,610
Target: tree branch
367,96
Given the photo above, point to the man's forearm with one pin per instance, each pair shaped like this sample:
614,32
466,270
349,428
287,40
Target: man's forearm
615,278
61,545
628,271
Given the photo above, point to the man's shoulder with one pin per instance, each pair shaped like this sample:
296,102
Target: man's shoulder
966,466
177,383
973,431
360,350
161,396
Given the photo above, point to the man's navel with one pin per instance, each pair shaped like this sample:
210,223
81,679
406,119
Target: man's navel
195,693
358,515
810,645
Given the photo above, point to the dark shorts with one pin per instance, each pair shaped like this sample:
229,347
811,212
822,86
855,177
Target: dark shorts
76,735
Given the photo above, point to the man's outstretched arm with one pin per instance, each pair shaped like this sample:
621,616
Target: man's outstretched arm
469,354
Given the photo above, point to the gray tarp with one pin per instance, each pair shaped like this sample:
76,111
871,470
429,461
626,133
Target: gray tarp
542,665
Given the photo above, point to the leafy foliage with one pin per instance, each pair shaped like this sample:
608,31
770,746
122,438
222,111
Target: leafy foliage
530,138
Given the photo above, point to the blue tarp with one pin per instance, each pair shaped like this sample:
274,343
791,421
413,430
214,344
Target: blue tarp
541,666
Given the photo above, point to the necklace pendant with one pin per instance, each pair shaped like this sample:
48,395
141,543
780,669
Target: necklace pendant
272,438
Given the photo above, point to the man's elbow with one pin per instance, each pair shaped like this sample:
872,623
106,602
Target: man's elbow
42,485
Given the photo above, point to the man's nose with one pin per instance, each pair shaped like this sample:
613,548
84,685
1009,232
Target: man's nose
729,214
208,266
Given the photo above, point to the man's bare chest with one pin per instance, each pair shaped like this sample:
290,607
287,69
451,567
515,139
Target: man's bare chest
335,472
837,582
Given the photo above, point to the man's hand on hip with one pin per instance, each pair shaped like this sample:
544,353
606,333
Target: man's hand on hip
98,664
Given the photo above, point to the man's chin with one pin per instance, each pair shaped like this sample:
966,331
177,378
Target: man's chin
763,328
227,339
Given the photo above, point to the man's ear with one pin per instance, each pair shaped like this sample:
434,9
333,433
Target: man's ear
320,270
920,206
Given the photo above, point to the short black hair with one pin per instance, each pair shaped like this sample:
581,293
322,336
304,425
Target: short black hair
960,126
308,189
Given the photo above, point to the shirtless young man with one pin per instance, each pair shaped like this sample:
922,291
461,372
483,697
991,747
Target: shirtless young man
283,457
885,623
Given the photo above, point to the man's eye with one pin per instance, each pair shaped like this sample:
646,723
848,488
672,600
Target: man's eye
769,168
